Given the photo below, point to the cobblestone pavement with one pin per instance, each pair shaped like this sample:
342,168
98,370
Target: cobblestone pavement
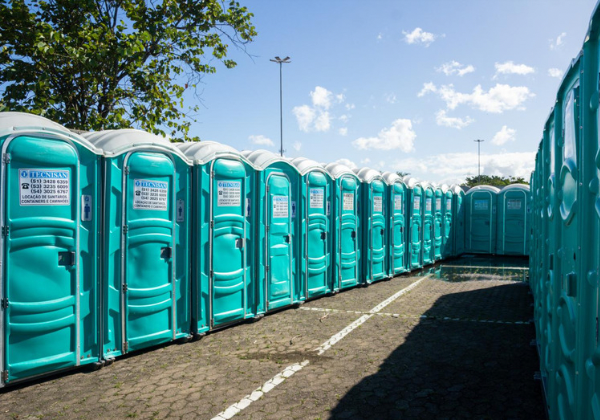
431,353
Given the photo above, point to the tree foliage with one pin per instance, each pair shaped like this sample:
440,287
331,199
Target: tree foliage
402,174
99,64
494,180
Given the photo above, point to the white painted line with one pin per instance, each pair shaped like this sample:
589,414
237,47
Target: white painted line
486,267
257,394
234,409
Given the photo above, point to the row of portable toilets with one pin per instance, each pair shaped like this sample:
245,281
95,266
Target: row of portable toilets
565,245
119,240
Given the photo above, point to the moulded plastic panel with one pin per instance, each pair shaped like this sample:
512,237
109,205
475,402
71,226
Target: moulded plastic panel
447,223
49,272
374,201
428,209
438,220
416,227
513,218
459,221
397,236
347,243
481,220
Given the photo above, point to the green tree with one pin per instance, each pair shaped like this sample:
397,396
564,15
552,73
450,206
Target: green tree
494,180
402,174
99,64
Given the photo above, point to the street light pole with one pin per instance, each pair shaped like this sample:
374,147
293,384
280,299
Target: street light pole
479,159
281,61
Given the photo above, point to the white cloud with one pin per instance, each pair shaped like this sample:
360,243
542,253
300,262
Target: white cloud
344,118
340,97
510,67
391,98
454,67
350,106
297,146
560,40
498,99
427,87
504,135
343,131
365,161
554,72
347,162
419,36
261,140
321,97
399,136
379,36
323,121
442,119
453,168
305,115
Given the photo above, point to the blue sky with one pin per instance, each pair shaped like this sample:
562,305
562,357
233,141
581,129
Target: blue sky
398,85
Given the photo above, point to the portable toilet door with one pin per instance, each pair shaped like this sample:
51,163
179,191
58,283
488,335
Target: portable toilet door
458,217
146,241
481,219
513,218
313,211
373,205
438,219
277,187
346,225
415,237
223,249
396,224
428,224
49,276
447,222
568,154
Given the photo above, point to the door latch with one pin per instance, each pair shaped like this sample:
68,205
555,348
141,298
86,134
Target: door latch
166,252
66,258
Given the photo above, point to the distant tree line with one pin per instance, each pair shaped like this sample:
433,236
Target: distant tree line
494,180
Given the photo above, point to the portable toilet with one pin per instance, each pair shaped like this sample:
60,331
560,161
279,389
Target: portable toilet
146,280
396,224
277,187
458,220
415,222
347,237
49,256
225,286
427,211
513,220
438,220
481,219
373,199
315,238
447,221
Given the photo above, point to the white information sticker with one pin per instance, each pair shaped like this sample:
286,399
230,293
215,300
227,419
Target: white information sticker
513,204
377,203
398,202
348,203
280,206
448,204
481,205
229,193
428,204
316,198
44,187
438,204
150,195
417,202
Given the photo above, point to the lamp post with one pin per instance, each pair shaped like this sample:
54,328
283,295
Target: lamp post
479,159
281,61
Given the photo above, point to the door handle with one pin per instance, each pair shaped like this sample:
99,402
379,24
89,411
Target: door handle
323,235
66,259
287,238
239,243
353,234
381,231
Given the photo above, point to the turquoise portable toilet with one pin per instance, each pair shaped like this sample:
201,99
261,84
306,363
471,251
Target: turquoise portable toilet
346,230
49,256
373,200
513,220
447,222
146,237
415,223
481,219
277,187
427,211
315,237
396,224
438,220
224,201
458,220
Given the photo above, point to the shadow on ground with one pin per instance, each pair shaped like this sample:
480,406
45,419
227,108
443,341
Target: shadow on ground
453,369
